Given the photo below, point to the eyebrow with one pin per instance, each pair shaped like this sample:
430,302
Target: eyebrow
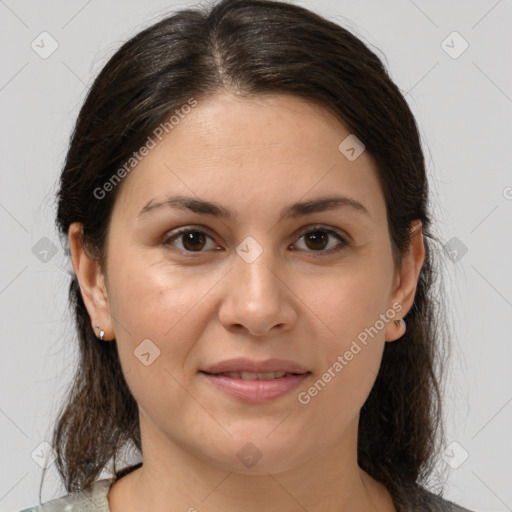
294,211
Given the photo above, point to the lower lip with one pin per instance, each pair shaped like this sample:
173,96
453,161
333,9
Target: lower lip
255,391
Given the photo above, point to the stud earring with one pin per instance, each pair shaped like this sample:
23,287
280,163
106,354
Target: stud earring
102,332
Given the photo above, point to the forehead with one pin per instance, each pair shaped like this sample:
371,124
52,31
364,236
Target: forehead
258,149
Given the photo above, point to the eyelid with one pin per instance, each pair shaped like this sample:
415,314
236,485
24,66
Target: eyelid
327,229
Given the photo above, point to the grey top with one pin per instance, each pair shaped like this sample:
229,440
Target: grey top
95,500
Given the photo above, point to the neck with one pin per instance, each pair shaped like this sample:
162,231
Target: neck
176,479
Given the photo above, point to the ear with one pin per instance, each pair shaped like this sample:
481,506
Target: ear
406,281
92,283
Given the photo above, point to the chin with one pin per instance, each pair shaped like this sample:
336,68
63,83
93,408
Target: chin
258,454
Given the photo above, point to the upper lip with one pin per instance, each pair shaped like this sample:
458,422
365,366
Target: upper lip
248,365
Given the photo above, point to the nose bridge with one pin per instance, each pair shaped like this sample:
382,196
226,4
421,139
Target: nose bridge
256,295
254,269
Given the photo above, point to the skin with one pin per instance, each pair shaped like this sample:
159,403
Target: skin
254,157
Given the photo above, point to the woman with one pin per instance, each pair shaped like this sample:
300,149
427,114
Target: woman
246,206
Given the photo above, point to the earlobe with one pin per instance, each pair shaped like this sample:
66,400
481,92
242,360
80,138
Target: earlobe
407,281
399,327
92,283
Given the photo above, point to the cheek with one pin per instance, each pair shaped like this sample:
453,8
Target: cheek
353,309
351,350
152,300
348,302
161,311
338,394
156,322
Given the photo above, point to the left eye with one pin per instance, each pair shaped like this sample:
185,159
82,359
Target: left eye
316,240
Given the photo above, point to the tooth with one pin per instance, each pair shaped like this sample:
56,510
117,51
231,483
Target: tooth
266,376
232,375
253,375
248,375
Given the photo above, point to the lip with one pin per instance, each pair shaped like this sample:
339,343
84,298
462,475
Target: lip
248,365
255,391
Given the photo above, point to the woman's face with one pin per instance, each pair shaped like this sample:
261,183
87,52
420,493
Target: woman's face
315,287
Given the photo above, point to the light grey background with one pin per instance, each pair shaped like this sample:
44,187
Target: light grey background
464,108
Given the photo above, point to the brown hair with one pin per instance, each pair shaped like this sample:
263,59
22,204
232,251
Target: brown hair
253,47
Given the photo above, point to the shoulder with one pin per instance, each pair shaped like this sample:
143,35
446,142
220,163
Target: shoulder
93,500
443,505
436,503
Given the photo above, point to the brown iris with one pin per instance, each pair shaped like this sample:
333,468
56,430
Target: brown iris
193,240
319,239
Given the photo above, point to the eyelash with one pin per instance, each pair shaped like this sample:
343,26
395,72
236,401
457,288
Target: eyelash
191,229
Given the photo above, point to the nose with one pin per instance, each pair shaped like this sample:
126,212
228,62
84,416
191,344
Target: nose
257,297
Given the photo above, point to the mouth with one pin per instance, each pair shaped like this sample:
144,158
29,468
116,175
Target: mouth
250,369
254,375
254,387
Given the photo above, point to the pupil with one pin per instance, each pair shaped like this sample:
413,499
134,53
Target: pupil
318,237
191,240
